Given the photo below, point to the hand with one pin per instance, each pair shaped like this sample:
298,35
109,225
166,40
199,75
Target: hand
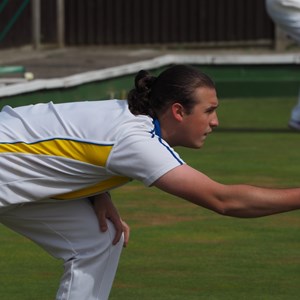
105,209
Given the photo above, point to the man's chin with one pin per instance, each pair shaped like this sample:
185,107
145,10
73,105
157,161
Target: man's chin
198,145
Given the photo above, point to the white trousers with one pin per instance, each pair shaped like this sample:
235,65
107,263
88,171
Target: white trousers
69,230
286,14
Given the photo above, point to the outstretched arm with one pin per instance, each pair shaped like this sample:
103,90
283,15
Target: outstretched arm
105,209
242,201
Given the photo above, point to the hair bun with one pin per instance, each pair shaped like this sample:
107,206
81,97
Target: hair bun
144,81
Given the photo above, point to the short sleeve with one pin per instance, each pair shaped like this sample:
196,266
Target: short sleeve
143,157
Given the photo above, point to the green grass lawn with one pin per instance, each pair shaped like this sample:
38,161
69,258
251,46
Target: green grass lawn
180,251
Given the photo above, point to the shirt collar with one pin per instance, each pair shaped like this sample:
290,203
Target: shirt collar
157,127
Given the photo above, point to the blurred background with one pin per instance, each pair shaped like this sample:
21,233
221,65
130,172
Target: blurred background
159,23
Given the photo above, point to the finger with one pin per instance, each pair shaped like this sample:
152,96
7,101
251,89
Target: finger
126,230
119,231
102,222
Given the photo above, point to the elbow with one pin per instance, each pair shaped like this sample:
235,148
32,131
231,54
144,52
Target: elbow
217,206
222,204
231,210
224,209
226,212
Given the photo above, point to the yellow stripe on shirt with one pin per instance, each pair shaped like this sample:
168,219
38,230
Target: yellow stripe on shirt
95,189
95,154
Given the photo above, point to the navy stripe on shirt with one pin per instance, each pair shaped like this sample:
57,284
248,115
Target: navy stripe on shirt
157,132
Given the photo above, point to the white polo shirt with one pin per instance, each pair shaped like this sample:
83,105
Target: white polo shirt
79,149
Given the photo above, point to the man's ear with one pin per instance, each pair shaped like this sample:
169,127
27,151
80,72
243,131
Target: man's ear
178,111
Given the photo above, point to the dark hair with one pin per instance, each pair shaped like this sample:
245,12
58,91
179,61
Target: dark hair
153,95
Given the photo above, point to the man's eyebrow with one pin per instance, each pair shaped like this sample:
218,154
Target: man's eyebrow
211,108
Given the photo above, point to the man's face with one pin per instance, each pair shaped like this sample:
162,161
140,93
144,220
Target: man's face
195,126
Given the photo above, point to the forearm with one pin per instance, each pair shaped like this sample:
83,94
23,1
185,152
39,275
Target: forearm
242,201
248,201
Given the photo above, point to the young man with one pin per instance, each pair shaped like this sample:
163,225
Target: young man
55,157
